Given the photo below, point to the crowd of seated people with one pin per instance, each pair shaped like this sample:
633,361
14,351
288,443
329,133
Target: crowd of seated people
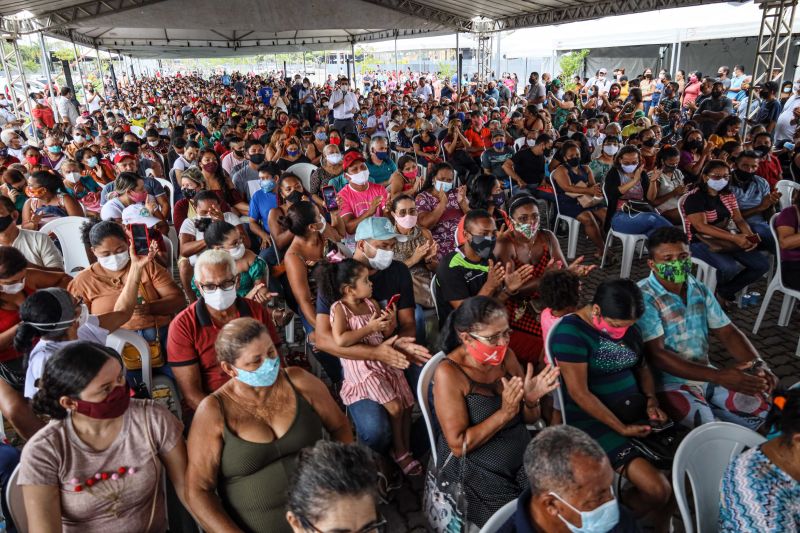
397,220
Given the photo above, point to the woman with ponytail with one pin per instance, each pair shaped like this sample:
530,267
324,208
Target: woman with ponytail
483,398
55,317
761,488
99,463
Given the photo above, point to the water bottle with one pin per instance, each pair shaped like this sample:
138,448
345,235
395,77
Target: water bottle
3,525
746,299
755,298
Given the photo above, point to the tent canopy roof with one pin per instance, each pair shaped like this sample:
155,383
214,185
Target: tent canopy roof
205,28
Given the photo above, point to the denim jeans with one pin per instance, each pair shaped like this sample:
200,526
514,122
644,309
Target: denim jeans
638,224
373,427
761,229
735,270
329,363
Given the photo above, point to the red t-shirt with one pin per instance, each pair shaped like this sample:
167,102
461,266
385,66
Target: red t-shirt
43,116
192,335
770,169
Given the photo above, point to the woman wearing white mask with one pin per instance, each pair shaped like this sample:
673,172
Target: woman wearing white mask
419,253
440,206
82,188
18,280
56,317
246,435
604,159
329,172
251,269
121,279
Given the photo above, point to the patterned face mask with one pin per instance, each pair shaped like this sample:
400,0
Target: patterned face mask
676,271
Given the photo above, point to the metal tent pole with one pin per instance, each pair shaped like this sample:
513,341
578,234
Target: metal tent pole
17,86
100,69
80,72
396,71
49,74
355,74
113,74
458,67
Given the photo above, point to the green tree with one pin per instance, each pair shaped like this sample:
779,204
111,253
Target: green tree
570,65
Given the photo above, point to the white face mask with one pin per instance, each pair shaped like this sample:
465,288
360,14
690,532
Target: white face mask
591,132
13,288
237,252
115,262
444,186
359,178
153,143
73,177
530,142
382,260
220,299
718,184
333,159
84,316
610,149
627,169
324,224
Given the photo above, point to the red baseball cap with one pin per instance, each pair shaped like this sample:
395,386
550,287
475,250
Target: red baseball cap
351,157
122,156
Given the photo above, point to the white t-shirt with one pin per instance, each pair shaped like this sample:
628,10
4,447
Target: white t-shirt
783,128
379,123
44,349
38,249
188,228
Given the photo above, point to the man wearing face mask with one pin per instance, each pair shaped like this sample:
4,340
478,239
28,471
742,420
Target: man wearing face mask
247,173
788,120
263,201
769,166
343,104
360,199
234,160
493,159
713,109
37,247
679,313
756,201
471,270
380,164
527,166
190,344
570,488
770,108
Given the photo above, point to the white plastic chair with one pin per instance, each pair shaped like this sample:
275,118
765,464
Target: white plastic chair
68,232
171,188
423,385
422,170
703,456
303,171
776,285
435,301
548,358
15,502
500,517
630,241
120,338
573,225
170,254
786,188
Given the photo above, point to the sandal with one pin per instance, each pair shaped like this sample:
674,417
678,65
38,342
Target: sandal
281,317
412,467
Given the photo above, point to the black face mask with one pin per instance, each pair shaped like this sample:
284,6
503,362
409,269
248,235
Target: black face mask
499,199
257,159
649,143
5,222
574,161
294,197
695,145
483,246
715,94
239,153
189,193
744,176
670,168
549,152
761,150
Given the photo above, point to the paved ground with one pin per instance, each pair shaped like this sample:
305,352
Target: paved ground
777,346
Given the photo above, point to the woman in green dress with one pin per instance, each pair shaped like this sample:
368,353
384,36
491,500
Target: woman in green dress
605,377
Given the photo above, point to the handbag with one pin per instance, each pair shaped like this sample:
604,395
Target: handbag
635,207
130,355
444,501
585,200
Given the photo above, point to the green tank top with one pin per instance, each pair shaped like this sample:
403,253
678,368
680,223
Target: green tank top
254,477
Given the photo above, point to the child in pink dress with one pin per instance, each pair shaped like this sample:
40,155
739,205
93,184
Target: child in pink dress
357,318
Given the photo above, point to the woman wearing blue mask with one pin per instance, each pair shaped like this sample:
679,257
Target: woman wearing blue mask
245,436
290,153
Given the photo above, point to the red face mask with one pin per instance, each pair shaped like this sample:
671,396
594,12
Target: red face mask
335,141
485,354
615,332
115,404
33,159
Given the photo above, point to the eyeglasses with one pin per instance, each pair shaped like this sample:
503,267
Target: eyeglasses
492,340
225,285
379,526
411,211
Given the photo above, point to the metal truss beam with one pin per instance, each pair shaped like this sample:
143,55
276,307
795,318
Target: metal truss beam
17,85
71,15
419,9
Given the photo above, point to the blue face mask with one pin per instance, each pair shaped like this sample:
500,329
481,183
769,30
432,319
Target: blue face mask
265,376
267,185
600,520
54,149
321,136
383,156
499,145
292,153
92,162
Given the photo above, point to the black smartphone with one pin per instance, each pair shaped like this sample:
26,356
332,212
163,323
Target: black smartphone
329,195
141,239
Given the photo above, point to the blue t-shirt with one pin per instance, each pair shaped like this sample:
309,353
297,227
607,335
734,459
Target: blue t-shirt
260,205
265,93
381,173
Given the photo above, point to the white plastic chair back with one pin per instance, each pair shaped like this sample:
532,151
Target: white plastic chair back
435,301
423,385
776,285
500,517
170,189
786,188
422,170
303,171
548,358
703,456
630,241
519,144
170,255
574,226
68,232
275,247
118,339
15,502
